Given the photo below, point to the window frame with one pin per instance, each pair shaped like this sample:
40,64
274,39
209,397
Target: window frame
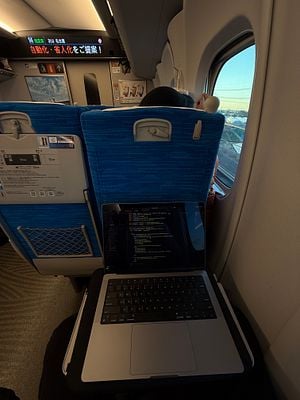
224,180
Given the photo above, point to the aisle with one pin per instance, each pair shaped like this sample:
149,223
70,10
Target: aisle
31,306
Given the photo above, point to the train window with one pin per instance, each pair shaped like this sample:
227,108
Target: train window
233,86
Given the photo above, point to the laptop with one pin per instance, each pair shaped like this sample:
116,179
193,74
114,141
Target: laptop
159,313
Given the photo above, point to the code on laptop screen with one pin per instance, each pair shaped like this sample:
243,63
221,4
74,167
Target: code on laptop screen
153,237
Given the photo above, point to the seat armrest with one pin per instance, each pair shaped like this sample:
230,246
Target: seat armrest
222,290
70,348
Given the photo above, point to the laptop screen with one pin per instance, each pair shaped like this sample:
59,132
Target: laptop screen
153,237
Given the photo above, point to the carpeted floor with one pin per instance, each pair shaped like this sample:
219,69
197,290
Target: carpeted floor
31,307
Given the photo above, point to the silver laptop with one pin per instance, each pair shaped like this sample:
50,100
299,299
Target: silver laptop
158,314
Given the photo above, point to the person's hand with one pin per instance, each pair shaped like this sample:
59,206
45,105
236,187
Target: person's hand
201,100
208,103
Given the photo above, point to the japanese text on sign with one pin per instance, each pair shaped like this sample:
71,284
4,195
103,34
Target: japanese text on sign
66,50
65,46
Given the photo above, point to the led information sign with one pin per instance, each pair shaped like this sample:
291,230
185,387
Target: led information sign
62,45
65,47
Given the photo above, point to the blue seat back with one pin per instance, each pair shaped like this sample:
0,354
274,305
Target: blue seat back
126,170
54,233
48,117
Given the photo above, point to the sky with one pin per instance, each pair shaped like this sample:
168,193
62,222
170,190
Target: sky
235,79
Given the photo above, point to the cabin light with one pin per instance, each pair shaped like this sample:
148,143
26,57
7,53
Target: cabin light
6,27
109,6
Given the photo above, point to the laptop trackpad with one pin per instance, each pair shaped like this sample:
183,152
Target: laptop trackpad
161,349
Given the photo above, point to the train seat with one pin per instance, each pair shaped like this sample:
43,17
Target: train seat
151,154
45,206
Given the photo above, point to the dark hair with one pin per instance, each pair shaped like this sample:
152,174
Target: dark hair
166,96
189,101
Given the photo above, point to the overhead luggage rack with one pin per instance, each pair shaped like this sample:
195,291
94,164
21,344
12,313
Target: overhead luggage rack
5,74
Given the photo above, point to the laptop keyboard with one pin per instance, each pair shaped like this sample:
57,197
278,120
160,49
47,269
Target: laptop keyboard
170,298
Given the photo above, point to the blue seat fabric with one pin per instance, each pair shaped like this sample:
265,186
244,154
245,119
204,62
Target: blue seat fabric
53,119
124,170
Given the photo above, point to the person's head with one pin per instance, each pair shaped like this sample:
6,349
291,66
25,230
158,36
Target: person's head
166,96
